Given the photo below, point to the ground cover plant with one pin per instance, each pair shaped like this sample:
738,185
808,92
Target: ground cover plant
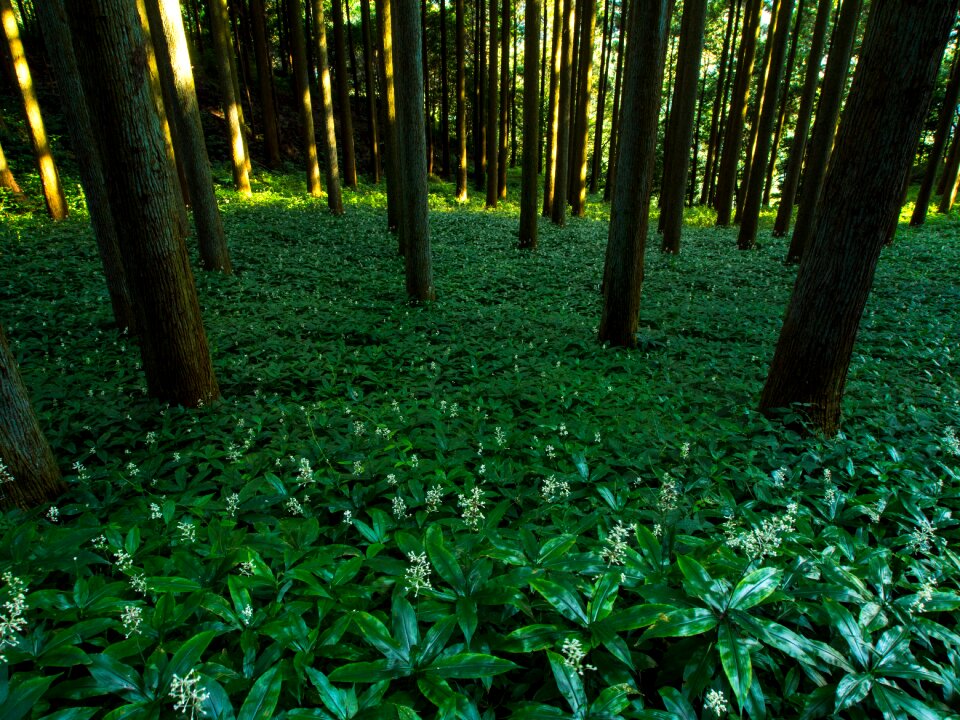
469,509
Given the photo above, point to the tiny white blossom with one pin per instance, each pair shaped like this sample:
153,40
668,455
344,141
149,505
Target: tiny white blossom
715,702
139,583
187,694
573,655
347,517
188,531
12,620
417,574
472,508
233,504
246,568
132,618
155,512
294,507
434,498
246,614
357,467
615,549
53,514
399,507
122,560
553,489
392,480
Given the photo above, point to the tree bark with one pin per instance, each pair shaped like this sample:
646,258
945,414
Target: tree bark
343,96
29,475
384,26
368,70
493,108
544,82
531,127
271,136
444,95
951,174
110,51
680,129
616,112
824,127
811,79
231,103
461,106
8,181
425,71
415,226
49,177
891,90
328,135
581,129
558,212
502,158
623,268
173,62
718,100
480,104
301,84
606,32
553,112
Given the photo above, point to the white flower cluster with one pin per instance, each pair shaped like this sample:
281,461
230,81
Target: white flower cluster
132,618
53,514
233,504
294,507
434,498
573,655
765,540
553,489
669,494
922,538
188,531
615,550
399,507
472,508
187,694
12,620
951,442
417,575
924,595
5,474
715,702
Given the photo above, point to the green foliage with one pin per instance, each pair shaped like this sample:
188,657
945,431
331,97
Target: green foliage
470,509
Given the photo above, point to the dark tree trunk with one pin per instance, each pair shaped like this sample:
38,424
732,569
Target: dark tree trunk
747,238
581,129
680,129
502,158
8,181
29,475
53,19
804,114
950,174
725,107
271,135
352,50
414,225
824,127
231,102
461,105
384,26
493,108
630,208
425,71
368,72
616,112
544,81
553,111
558,212
718,100
606,31
695,154
343,96
513,94
891,89
736,118
304,104
531,127
944,180
143,198
328,134
242,43
480,106
444,95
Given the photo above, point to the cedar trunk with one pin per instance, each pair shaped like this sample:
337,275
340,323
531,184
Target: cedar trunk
231,101
368,72
718,101
531,127
444,95
504,100
558,212
616,114
328,135
606,32
301,84
271,136
550,170
581,128
343,96
480,102
384,27
493,109
461,106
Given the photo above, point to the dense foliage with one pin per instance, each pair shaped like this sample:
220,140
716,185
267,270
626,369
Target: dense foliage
470,509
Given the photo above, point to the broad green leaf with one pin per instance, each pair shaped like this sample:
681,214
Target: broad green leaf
530,638
538,711
604,596
696,580
334,698
436,638
443,560
911,705
24,694
639,616
787,641
115,677
611,700
851,689
754,588
376,633
682,623
561,598
74,713
469,665
405,625
186,657
569,683
735,658
263,696
369,672
850,631
555,547
677,703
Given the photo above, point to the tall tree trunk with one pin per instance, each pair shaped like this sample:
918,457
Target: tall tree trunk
283,35
804,115
235,79
543,86
444,95
352,50
680,129
480,105
513,92
49,177
695,154
718,100
725,105
944,181
891,89
8,181
950,173
29,475
242,43
747,238
558,213
553,112
271,136
493,108
630,208
606,32
461,106
502,158
824,127
231,103
531,126
414,225
368,72
343,96
384,27
173,61
328,135
581,129
142,192
427,103
730,157
301,84
616,113
947,113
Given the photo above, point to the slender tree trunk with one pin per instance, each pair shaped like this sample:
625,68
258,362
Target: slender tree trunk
283,34
616,112
368,72
785,98
461,106
502,158
558,213
553,112
947,113
824,127
271,136
513,93
328,135
428,105
630,208
949,195
49,177
444,95
384,26
142,192
718,100
543,86
304,102
725,105
531,127
343,96
581,129
727,178
804,115
944,181
352,49
601,98
173,61
891,89
480,78
493,108
695,154
231,103
680,128
414,225
8,181
235,79
29,475
242,42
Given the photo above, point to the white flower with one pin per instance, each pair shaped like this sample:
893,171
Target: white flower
187,694
434,498
392,480
669,494
715,702
685,450
399,507
233,504
780,476
763,541
550,452
155,512
922,538
472,508
246,568
188,531
132,618
12,620
151,438
357,467
553,489
246,614
100,542
359,428
305,472
5,475
347,517
53,514
950,441
573,655
294,507
123,561
139,583
417,575
500,436
615,551
414,461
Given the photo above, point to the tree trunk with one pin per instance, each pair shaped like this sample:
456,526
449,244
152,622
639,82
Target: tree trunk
944,122
804,114
581,129
368,71
231,103
630,208
502,158
8,181
824,127
173,62
493,108
328,135
235,79
513,92
725,107
142,192
695,154
461,106
271,136
606,32
53,19
352,50
616,113
950,173
727,177
29,475
718,100
531,127
891,89
553,112
49,177
747,238
301,85
343,96
414,226
444,95
543,85
425,71
680,129
384,27
558,213
480,104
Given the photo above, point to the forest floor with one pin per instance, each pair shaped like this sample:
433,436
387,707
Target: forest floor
551,491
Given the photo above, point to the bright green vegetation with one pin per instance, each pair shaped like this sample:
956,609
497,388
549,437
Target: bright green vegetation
408,512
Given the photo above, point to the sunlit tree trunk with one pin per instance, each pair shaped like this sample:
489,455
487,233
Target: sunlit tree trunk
371,94
480,99
343,96
8,181
558,212
231,102
444,95
553,113
261,49
616,112
885,110
29,475
606,32
531,127
301,85
581,130
328,133
461,106
142,191
384,24
504,126
49,177
952,175
427,101
493,108
718,100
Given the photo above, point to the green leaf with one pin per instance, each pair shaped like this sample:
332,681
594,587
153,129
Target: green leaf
443,560
405,625
852,689
754,588
849,630
569,683
436,638
186,657
368,672
611,701
677,703
790,643
74,713
530,638
469,665
604,596
682,623
562,599
113,676
263,696
376,633
639,616
917,708
334,698
554,548
24,694
735,658
696,580
172,585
